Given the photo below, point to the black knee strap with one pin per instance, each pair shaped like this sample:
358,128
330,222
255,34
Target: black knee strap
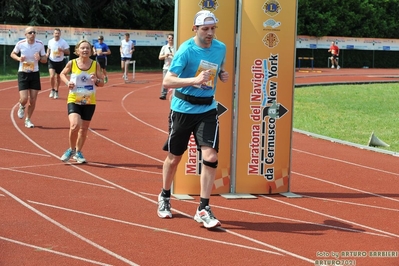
210,164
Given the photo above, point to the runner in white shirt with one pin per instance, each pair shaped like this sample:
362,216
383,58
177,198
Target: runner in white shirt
126,49
28,52
166,54
57,48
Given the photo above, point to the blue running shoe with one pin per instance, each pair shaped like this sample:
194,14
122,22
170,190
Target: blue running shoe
67,155
79,157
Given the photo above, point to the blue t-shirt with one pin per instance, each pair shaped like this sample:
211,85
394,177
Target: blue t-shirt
101,46
190,59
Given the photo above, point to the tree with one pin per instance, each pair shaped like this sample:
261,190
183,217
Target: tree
137,14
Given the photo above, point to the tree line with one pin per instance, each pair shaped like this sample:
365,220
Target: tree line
355,18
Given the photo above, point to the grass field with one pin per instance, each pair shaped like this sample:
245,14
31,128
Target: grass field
349,112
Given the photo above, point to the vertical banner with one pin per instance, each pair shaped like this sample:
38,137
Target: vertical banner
267,37
187,179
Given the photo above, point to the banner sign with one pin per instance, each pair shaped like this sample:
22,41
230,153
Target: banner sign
347,43
265,95
11,34
187,179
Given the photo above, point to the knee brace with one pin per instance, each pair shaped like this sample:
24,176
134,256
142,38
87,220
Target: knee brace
210,164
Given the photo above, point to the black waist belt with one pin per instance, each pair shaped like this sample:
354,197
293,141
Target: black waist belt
193,99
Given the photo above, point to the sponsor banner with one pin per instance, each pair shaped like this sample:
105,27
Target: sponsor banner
347,43
265,96
187,179
11,34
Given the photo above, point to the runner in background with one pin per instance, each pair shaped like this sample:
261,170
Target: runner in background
334,50
57,49
126,49
28,52
101,50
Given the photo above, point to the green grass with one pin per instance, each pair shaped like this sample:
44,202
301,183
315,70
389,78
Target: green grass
349,112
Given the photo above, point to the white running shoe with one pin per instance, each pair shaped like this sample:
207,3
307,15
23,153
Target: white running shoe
338,67
29,124
51,95
21,111
55,94
332,66
206,217
164,207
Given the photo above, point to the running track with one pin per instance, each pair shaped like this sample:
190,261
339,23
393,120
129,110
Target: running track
104,212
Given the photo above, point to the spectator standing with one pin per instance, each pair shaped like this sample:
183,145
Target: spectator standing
166,54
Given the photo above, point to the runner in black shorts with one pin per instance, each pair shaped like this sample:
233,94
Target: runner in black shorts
28,52
57,66
57,49
101,50
29,81
205,128
86,112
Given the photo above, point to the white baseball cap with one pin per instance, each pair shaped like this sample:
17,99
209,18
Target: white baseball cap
201,16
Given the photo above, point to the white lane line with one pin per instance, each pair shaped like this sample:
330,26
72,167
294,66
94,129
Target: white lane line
25,152
125,147
154,228
58,178
47,218
135,117
52,251
140,196
332,217
288,219
346,162
125,168
346,187
351,203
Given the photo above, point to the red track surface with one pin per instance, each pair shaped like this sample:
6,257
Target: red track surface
104,212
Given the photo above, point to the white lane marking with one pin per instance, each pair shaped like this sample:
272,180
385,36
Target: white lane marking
346,187
52,251
331,216
58,178
125,147
351,203
154,228
346,162
47,218
25,152
125,168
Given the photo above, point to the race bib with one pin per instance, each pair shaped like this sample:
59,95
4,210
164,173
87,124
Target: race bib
28,66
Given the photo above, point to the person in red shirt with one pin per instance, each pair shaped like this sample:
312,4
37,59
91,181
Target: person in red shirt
334,50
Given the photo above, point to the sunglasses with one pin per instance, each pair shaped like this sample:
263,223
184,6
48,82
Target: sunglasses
32,32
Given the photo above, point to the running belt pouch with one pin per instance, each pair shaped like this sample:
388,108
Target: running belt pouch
193,99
